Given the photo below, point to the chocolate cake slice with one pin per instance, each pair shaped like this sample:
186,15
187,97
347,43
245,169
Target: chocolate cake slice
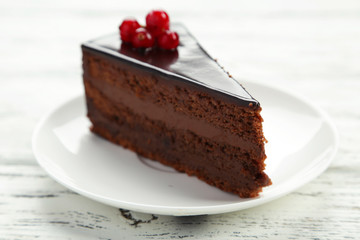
177,107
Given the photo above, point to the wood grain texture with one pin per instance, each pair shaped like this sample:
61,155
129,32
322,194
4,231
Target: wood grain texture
311,47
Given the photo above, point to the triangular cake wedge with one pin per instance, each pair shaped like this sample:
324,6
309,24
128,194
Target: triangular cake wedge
176,107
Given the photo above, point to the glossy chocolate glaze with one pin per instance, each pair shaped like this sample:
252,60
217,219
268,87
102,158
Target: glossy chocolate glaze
189,62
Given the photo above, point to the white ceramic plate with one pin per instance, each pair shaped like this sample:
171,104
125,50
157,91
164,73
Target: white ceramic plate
302,143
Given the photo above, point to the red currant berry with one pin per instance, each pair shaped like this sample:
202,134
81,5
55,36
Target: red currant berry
157,21
142,38
168,40
127,29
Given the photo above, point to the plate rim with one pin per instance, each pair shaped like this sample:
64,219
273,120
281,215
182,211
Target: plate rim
190,211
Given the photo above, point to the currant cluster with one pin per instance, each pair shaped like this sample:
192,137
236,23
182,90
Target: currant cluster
157,31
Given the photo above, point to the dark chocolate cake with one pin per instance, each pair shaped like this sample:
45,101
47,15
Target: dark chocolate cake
177,107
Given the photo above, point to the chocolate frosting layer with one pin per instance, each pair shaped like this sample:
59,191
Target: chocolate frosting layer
172,119
189,62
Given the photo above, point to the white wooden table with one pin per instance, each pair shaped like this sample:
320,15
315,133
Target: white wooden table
311,47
